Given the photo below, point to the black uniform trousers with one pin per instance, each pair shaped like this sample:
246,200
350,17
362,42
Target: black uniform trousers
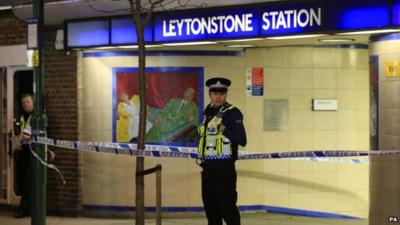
218,182
24,173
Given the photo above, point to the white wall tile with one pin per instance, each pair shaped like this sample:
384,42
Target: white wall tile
300,57
362,79
347,99
346,78
276,57
300,78
324,58
300,140
300,120
324,78
276,78
300,99
346,120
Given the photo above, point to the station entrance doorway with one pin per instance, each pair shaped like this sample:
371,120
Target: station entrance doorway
14,81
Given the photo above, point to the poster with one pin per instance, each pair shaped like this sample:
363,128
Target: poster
174,99
276,114
255,81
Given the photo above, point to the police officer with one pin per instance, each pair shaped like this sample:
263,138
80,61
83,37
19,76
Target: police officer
23,157
219,136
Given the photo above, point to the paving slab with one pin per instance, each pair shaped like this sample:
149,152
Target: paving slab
6,218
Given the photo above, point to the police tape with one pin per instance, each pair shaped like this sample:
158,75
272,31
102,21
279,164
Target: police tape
191,152
48,165
333,160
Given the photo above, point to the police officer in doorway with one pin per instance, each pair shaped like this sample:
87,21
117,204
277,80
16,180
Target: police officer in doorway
219,136
23,157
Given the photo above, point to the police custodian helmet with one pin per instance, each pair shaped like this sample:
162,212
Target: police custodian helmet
218,84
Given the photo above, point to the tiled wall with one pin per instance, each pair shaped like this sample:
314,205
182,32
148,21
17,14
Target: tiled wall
298,74
301,74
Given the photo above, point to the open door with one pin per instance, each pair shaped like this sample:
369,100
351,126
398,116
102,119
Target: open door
14,81
4,138
22,83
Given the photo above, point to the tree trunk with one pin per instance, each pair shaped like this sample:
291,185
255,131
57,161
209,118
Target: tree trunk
141,137
142,115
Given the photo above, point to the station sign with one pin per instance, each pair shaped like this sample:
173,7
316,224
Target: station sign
267,20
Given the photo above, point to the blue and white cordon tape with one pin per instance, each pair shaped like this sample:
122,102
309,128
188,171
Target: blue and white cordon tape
191,152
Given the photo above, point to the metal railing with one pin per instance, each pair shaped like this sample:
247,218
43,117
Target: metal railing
157,170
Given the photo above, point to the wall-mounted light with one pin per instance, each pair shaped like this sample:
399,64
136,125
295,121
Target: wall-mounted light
335,40
295,36
240,46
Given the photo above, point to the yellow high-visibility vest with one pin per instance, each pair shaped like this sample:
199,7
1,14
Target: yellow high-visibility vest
25,124
213,144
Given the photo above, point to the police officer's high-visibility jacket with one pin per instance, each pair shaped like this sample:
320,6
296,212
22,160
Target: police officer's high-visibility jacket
213,144
26,124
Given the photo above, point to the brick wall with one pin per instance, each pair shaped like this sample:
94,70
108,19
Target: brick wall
12,30
60,70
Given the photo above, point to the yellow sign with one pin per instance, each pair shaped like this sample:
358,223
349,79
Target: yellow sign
392,69
35,58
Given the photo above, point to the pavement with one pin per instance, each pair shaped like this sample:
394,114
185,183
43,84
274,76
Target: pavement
6,218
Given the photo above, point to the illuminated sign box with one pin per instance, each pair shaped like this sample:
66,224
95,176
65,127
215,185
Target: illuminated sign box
88,33
236,22
396,12
123,32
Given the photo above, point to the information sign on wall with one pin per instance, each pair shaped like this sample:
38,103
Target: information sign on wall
255,81
392,69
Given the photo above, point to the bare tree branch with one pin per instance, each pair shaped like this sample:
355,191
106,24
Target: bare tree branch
150,12
183,4
156,2
148,17
135,9
150,6
91,6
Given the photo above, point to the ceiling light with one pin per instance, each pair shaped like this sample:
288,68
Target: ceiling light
128,46
5,7
153,46
370,32
240,46
135,46
295,36
336,40
242,40
125,47
191,43
106,48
